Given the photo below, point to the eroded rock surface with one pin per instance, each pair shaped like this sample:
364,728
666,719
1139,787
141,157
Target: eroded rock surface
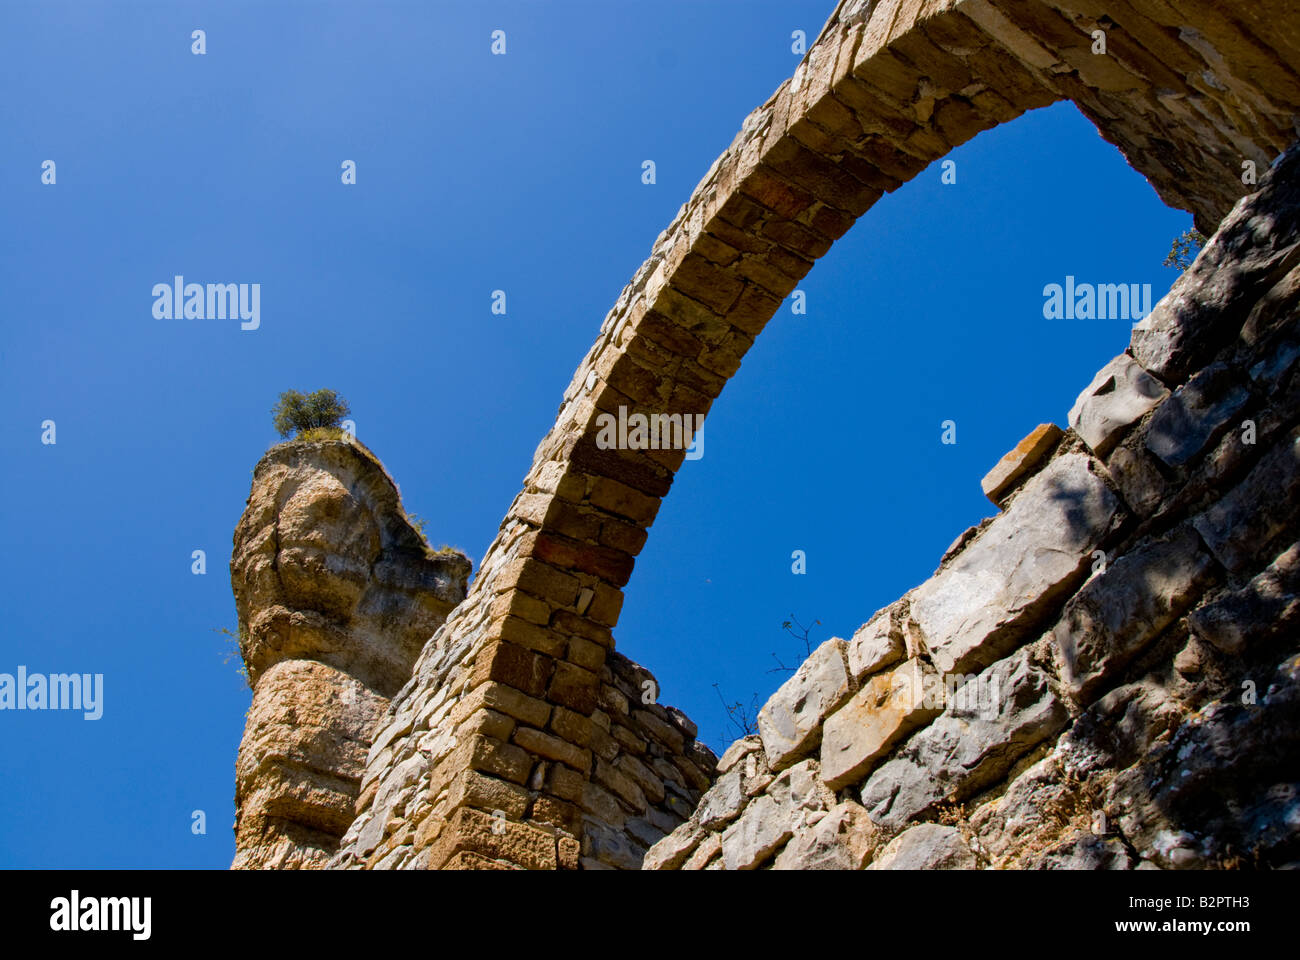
336,594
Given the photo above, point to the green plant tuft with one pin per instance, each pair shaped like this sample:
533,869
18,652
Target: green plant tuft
303,413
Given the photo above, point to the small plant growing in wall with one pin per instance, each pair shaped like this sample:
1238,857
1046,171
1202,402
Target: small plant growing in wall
1185,248
306,414
234,650
741,716
418,524
800,633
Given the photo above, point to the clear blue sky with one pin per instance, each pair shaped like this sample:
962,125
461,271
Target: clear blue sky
475,173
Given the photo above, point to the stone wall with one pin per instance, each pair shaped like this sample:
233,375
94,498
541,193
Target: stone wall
1189,91
552,788
1106,673
336,595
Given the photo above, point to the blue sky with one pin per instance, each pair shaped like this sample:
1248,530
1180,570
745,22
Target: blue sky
474,173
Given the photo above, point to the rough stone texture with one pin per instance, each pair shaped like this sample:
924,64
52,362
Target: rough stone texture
1196,414
842,838
926,846
1236,530
992,594
1120,394
1254,247
773,817
326,566
880,714
1122,608
1019,463
790,723
877,643
299,764
1223,787
336,593
962,752
1265,607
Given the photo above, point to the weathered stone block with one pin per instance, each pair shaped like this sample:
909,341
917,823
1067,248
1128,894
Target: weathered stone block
1127,605
771,818
574,687
840,839
981,604
645,778
738,751
876,644
790,722
553,748
602,804
492,756
926,846
1265,607
495,838
473,789
884,711
509,701
710,847
1245,521
960,752
1138,478
755,836
513,666
622,785
660,729
1197,413
723,801
1120,394
1014,466
671,852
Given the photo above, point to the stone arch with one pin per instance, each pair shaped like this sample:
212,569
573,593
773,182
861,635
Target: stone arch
1188,91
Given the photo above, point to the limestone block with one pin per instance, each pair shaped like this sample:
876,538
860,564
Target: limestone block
1267,605
772,818
1196,415
755,836
611,846
722,802
493,837
978,606
958,753
790,722
1255,511
738,751
884,711
671,852
1120,394
1121,609
707,851
841,839
876,644
1026,455
926,846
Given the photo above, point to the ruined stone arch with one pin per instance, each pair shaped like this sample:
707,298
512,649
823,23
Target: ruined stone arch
1188,90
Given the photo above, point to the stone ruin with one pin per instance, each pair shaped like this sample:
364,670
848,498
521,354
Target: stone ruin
1103,675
